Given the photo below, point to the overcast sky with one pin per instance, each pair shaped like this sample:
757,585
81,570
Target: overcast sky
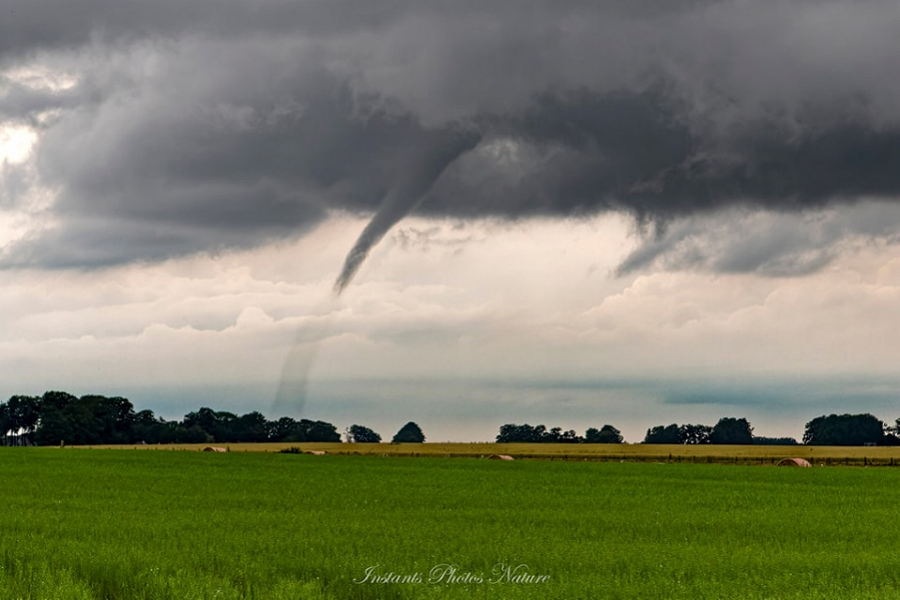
464,214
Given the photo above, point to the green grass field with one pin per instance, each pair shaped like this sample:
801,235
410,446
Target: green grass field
183,525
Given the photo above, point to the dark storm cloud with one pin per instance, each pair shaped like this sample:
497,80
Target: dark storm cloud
774,244
28,24
198,125
31,24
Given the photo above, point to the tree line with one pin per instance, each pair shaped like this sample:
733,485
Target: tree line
726,431
539,434
59,417
831,430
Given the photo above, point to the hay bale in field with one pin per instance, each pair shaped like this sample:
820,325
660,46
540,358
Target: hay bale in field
214,449
793,462
316,452
500,457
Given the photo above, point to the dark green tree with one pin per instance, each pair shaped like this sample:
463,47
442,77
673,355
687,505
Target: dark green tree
226,427
409,434
521,434
362,435
694,434
86,428
113,418
55,427
675,434
730,430
605,435
663,434
280,430
23,415
314,431
5,422
844,430
191,435
205,418
222,426
58,399
557,436
61,418
251,428
148,429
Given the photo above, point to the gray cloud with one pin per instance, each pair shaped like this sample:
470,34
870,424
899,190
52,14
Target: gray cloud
823,394
768,243
198,125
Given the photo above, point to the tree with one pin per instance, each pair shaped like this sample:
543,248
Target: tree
150,430
280,430
63,418
191,435
54,428
225,428
113,418
58,399
675,434
606,435
205,418
362,435
23,414
892,434
251,428
5,422
221,425
314,431
663,434
509,433
86,428
409,434
287,429
730,430
694,434
557,436
844,430
538,434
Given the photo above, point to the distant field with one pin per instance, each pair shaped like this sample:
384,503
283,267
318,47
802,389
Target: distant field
190,525
828,455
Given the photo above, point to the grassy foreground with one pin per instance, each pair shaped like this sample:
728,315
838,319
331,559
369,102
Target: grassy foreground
191,525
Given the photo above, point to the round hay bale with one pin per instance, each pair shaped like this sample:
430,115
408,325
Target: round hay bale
500,457
316,452
214,449
793,462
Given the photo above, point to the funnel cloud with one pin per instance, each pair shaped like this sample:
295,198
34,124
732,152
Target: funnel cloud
425,166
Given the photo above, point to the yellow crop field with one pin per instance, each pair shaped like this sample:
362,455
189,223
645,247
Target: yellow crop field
762,454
